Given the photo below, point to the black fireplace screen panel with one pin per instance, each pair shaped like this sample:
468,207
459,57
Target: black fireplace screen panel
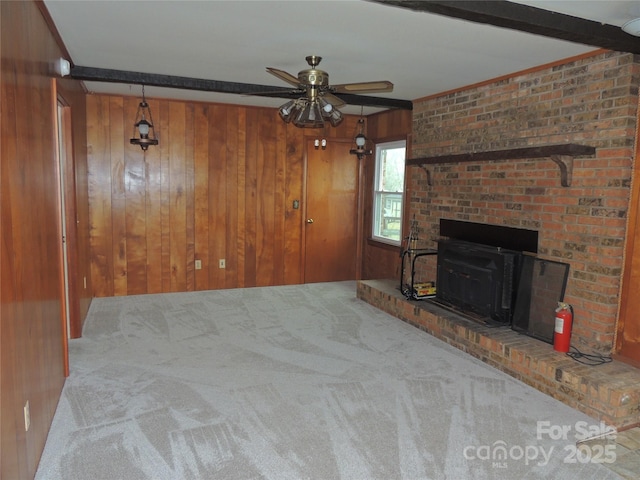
542,285
477,278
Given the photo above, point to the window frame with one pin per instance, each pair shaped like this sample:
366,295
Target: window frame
377,194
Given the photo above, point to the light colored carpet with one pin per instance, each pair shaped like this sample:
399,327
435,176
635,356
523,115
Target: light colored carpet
292,382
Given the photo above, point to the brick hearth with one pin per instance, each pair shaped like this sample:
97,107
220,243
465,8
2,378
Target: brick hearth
609,392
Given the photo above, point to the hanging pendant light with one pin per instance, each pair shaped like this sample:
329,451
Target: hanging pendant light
143,131
360,140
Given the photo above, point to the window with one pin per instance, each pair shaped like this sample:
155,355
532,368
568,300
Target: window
387,192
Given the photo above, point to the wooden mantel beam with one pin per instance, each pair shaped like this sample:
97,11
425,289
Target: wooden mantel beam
561,154
570,149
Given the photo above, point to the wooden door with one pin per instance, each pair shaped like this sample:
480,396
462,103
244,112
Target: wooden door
67,231
331,228
628,332
628,338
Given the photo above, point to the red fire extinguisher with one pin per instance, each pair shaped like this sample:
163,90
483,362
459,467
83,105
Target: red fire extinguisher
562,331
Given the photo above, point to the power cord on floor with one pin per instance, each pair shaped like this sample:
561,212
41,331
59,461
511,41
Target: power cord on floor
588,359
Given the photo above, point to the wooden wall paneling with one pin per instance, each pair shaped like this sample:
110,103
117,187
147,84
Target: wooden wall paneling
118,195
241,159
38,228
350,127
226,194
30,292
190,196
99,184
13,439
233,120
294,177
250,196
265,147
13,436
178,201
389,123
234,153
153,185
379,125
135,205
165,193
217,193
201,196
345,130
280,208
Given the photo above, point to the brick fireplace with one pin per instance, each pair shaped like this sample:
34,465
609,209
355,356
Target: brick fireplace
591,101
577,203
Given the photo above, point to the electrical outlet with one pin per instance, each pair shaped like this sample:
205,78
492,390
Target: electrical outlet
222,263
198,264
27,417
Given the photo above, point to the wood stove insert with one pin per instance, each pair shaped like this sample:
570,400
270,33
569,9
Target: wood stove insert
478,269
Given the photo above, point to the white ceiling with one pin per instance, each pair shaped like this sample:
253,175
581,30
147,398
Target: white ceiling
421,53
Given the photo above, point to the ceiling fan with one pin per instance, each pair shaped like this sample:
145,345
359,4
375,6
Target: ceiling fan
317,101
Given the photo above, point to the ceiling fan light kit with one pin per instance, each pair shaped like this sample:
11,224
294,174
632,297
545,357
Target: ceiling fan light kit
286,110
317,102
309,116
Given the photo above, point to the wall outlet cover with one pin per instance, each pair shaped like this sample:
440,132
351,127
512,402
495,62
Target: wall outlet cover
27,417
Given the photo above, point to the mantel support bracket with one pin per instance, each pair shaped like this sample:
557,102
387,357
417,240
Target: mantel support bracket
565,162
428,172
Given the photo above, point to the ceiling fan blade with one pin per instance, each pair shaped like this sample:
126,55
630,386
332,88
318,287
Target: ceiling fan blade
362,87
282,75
332,99
276,93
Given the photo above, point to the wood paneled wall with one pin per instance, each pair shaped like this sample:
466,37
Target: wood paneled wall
380,260
220,185
31,326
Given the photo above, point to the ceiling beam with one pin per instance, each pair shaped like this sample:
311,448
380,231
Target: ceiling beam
528,19
188,83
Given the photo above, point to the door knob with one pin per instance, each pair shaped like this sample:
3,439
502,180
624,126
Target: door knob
309,220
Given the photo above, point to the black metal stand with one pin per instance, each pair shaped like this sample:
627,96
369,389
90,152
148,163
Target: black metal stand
413,254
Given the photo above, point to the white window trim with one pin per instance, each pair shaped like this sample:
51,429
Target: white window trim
376,193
